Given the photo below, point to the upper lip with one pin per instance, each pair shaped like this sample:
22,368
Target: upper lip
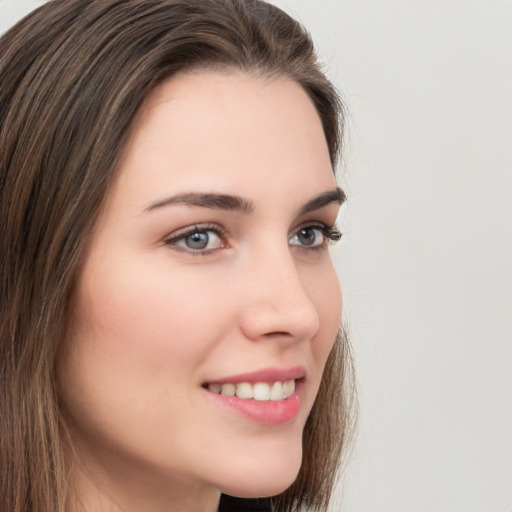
264,375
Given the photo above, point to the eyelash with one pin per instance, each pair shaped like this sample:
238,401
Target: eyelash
331,235
187,232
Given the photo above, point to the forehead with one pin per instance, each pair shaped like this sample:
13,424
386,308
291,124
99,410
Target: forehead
211,129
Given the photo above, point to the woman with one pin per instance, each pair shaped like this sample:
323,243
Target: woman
168,303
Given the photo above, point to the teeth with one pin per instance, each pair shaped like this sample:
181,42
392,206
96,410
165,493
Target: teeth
244,390
215,388
228,389
276,391
288,388
261,391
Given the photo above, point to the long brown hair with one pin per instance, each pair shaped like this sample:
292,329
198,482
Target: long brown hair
73,75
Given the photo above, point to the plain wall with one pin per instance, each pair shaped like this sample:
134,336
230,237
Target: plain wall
426,259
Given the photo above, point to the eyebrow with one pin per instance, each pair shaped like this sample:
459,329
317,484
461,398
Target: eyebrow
331,196
239,204
213,201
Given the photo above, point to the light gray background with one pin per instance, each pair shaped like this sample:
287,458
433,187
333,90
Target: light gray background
426,263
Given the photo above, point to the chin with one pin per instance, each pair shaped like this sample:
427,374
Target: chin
269,478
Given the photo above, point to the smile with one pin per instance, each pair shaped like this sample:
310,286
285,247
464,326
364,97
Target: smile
261,391
269,396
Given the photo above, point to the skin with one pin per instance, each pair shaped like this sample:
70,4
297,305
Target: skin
153,321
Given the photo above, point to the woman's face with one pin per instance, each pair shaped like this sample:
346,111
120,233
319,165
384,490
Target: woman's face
208,270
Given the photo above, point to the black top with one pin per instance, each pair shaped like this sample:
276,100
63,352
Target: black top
230,504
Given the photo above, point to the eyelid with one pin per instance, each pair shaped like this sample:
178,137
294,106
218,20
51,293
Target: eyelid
328,229
172,239
331,235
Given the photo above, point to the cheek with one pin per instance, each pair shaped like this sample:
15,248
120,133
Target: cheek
135,354
153,318
137,340
328,301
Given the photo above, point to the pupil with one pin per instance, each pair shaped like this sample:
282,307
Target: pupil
197,241
307,236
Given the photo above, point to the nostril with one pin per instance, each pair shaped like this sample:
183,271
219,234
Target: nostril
277,334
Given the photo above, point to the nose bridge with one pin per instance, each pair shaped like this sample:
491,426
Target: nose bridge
276,302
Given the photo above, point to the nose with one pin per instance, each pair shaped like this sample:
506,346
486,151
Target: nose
275,303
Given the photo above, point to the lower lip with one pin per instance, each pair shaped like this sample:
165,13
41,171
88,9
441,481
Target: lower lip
265,412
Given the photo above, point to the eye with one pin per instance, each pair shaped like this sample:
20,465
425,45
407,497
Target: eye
197,239
315,236
308,236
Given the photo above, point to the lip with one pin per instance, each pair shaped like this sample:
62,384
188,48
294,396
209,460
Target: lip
269,413
264,375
